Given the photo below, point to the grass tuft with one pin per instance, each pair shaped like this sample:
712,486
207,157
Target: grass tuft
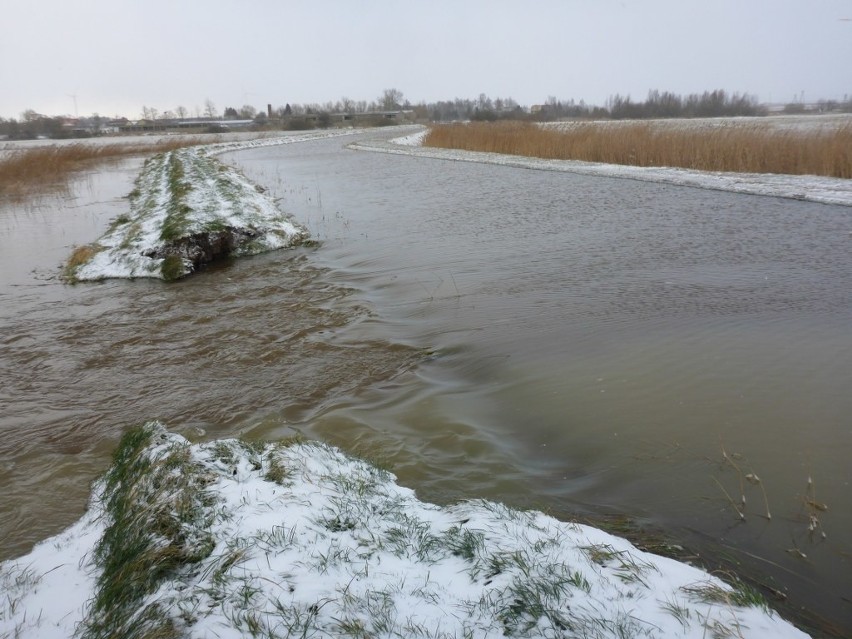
79,256
740,594
172,268
155,500
467,544
276,471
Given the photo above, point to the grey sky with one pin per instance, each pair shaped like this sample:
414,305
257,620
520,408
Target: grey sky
116,56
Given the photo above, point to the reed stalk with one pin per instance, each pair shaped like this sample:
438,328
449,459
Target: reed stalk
742,149
42,169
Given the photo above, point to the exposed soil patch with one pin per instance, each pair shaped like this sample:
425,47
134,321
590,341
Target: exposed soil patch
199,249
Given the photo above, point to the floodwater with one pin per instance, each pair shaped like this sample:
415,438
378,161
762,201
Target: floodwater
578,344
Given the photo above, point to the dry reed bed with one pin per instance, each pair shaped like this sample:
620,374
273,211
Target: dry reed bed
751,149
29,171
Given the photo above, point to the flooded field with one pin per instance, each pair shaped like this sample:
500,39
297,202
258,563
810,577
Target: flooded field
573,343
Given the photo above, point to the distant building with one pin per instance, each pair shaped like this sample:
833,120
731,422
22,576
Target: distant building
147,126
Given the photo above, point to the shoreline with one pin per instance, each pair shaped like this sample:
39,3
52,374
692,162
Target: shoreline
822,190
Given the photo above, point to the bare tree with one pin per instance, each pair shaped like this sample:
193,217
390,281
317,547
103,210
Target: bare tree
149,113
247,112
210,109
391,100
181,111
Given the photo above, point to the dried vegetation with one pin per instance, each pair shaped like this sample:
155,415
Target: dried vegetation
31,171
743,149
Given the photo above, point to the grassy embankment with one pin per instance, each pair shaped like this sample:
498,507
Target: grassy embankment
350,554
742,149
186,210
33,171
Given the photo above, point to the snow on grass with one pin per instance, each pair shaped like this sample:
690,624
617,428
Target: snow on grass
186,210
812,188
413,139
236,539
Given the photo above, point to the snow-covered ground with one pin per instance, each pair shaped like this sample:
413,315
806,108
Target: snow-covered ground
232,539
188,207
800,187
778,123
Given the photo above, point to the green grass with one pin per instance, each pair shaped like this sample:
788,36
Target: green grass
157,520
178,211
120,220
532,599
678,611
15,582
740,594
411,538
276,471
172,268
464,543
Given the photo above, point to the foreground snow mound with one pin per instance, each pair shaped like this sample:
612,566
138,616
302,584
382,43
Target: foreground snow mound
235,539
187,209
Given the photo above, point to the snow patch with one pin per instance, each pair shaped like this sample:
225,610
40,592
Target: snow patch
307,541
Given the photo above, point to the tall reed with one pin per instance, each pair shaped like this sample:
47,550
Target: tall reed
744,149
38,169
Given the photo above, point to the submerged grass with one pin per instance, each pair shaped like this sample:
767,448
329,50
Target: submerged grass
743,149
79,256
42,169
172,268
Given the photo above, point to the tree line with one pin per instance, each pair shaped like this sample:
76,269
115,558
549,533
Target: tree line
665,104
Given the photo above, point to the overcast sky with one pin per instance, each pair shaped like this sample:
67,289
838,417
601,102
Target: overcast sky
114,57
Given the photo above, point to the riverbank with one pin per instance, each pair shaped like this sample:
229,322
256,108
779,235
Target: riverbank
140,348
822,149
809,188
238,538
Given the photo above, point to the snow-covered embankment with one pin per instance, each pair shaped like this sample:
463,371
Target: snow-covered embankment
189,209
234,539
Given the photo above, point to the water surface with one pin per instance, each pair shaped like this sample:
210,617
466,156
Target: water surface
566,342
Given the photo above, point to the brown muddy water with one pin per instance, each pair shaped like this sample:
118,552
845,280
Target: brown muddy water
577,344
